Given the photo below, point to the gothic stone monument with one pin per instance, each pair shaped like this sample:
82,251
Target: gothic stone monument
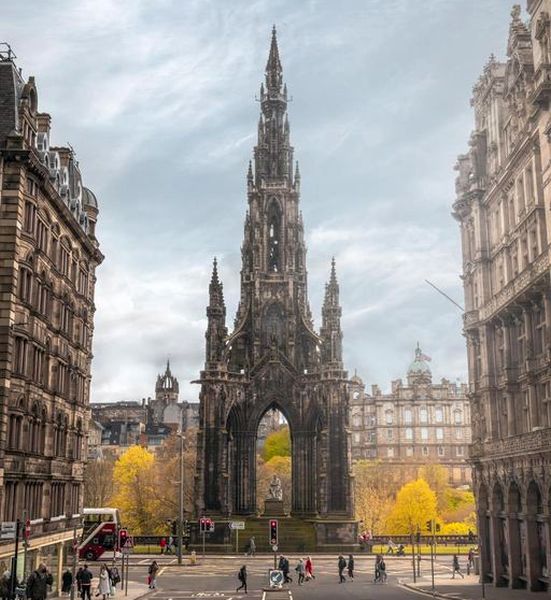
274,358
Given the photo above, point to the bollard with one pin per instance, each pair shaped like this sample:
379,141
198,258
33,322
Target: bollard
193,558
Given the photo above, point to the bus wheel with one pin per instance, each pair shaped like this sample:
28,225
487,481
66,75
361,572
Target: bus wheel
90,555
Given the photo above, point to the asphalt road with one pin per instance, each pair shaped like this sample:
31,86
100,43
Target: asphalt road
215,578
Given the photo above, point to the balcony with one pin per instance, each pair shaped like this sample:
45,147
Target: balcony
542,85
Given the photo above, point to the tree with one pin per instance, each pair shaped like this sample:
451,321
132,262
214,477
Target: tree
415,505
437,477
136,492
458,505
98,482
373,494
277,444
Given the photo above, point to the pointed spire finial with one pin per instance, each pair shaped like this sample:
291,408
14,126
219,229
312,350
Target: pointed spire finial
333,278
214,278
273,66
250,171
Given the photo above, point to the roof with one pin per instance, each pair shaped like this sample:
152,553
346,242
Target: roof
419,364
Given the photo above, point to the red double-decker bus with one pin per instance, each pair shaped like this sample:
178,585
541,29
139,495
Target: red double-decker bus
100,527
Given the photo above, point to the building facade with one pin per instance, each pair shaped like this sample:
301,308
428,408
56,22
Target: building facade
274,358
416,423
49,257
148,422
503,205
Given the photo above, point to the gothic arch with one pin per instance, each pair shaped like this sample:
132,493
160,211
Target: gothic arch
274,236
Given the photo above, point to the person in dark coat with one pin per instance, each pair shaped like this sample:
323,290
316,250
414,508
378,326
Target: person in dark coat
342,566
242,576
66,582
86,583
79,573
350,566
38,582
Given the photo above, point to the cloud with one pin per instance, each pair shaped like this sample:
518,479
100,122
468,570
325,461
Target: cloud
158,99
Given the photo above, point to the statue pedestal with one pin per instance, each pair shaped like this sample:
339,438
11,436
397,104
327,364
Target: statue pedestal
273,508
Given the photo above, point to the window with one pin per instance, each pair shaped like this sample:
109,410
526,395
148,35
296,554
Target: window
439,433
389,417
20,356
371,437
409,433
357,420
425,451
25,285
371,420
439,414
458,433
29,218
390,452
389,434
409,451
440,451
460,451
357,438
423,415
424,433
457,417
42,235
408,416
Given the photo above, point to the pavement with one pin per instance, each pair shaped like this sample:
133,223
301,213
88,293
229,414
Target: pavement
467,589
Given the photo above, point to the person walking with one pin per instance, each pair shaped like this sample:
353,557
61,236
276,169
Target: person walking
85,580
162,544
284,568
38,582
300,570
66,582
470,561
350,566
456,568
342,566
382,570
309,569
252,546
104,583
242,576
5,582
152,571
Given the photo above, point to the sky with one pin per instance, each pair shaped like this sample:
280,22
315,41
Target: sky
157,97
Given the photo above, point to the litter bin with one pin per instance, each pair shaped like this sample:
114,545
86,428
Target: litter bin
193,558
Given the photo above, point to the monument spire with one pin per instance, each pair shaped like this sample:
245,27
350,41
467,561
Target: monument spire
216,315
331,331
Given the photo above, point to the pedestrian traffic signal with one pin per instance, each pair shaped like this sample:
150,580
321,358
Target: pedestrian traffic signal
429,526
273,532
123,537
437,527
206,525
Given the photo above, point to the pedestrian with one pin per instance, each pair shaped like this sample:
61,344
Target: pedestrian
104,583
85,583
252,546
66,582
115,577
382,570
470,561
456,568
300,570
342,566
284,568
350,566
152,572
79,573
5,582
390,546
38,582
162,544
309,568
242,576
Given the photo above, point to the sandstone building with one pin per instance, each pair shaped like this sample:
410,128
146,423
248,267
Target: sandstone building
503,207
416,423
49,254
148,422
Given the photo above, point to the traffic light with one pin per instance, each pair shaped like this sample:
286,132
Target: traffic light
429,526
273,532
202,524
123,537
174,528
209,526
186,532
437,527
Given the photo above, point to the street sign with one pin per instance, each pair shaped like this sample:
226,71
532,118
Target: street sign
237,524
274,548
276,578
7,532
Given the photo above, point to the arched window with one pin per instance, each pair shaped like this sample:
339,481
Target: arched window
274,238
457,417
389,417
408,416
273,326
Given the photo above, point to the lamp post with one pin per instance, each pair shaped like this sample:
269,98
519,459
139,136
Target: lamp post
181,498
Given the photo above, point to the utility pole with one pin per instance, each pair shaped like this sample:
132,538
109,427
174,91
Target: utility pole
432,527
181,499
412,558
13,575
74,566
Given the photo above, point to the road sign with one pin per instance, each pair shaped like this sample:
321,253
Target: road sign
276,578
274,548
7,532
237,525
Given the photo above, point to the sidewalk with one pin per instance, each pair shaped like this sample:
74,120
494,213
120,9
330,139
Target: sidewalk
135,590
465,589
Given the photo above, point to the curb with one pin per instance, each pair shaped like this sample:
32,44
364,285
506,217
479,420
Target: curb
436,594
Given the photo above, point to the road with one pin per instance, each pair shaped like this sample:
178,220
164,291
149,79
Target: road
216,578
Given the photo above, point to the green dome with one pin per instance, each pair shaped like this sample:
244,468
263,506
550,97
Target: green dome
419,365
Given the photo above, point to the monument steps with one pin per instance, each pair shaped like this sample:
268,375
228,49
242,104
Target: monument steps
295,535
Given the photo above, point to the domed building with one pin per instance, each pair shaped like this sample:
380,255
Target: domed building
415,423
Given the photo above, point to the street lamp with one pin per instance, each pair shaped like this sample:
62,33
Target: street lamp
181,497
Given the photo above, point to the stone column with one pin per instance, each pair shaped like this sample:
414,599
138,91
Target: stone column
60,559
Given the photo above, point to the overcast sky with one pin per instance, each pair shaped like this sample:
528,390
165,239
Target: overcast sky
158,100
